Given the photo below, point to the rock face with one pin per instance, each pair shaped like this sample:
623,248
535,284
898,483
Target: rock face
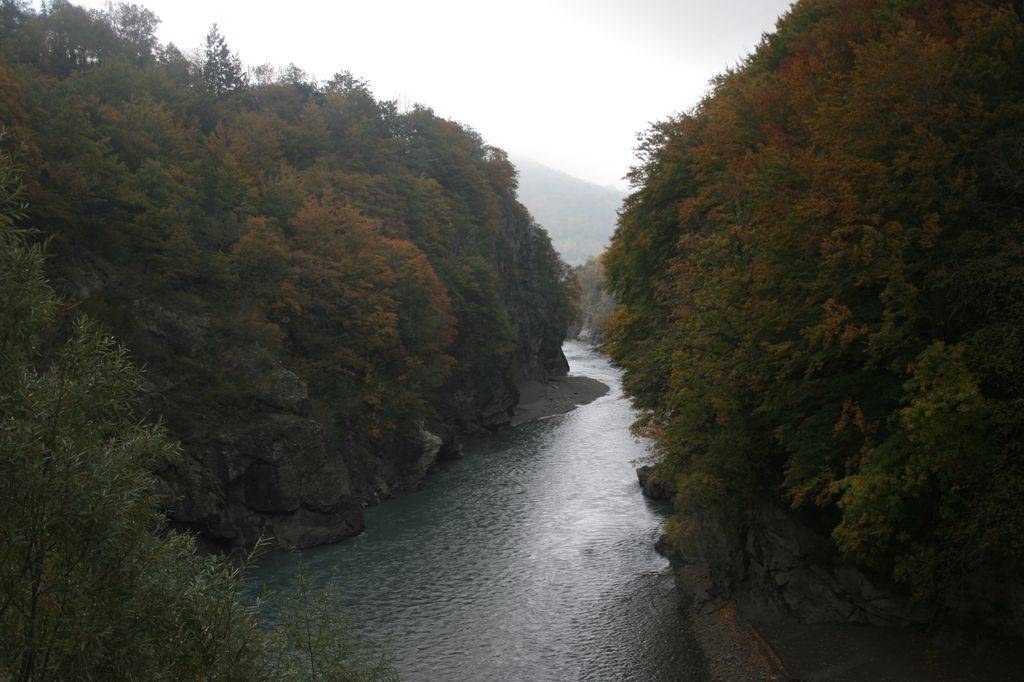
539,344
790,565
254,463
259,459
651,483
485,402
774,566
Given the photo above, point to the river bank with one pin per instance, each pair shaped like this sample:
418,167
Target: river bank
744,637
538,400
743,648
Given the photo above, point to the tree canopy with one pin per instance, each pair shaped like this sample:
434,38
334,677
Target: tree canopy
820,279
93,584
370,247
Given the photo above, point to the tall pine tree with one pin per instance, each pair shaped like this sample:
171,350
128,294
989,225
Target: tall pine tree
222,70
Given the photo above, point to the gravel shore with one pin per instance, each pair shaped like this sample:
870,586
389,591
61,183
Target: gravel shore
538,400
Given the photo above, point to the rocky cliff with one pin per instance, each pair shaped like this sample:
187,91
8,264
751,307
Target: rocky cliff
325,291
536,314
776,567
258,458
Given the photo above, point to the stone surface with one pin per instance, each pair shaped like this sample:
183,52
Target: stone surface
775,567
651,484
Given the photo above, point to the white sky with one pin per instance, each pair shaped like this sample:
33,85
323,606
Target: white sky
566,82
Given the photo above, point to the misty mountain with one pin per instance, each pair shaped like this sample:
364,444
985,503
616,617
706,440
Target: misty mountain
580,216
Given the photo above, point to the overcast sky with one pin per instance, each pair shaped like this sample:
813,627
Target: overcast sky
566,82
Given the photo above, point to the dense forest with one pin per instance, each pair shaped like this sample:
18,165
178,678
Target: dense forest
93,585
240,304
324,290
821,282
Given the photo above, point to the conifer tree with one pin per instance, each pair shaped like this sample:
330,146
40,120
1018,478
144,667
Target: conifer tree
222,70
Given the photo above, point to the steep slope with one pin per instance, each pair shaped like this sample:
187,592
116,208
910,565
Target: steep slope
325,291
820,279
580,216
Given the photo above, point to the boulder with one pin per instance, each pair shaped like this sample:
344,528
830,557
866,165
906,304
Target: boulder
651,483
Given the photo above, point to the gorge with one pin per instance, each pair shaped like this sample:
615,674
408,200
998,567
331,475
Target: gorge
293,385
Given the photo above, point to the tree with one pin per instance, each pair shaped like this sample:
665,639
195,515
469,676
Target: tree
312,640
135,26
381,256
222,70
596,305
365,316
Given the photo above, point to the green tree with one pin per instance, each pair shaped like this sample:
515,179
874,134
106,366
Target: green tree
91,582
596,304
222,70
135,26
312,640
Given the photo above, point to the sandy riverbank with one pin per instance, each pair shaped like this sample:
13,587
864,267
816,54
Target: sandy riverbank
538,400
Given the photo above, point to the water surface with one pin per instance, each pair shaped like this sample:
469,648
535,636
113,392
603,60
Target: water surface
531,559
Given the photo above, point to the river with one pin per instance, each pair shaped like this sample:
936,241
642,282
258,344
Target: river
530,559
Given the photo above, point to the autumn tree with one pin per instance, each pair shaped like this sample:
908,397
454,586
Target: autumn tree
365,315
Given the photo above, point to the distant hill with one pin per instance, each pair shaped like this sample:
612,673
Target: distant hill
579,215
